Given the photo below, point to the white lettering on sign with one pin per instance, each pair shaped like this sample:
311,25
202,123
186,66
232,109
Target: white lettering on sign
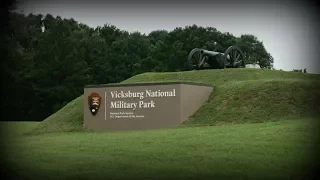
119,115
140,95
158,93
150,104
123,105
116,94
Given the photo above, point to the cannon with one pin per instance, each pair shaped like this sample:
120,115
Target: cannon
203,59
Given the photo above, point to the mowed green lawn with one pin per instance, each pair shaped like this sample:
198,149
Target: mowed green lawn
271,150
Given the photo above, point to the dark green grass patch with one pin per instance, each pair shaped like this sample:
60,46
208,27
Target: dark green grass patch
271,150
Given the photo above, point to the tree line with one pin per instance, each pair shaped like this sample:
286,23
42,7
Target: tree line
50,59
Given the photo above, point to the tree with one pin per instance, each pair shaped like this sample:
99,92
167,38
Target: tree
254,51
44,70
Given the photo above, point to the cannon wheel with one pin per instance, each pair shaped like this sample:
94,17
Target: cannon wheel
195,59
234,58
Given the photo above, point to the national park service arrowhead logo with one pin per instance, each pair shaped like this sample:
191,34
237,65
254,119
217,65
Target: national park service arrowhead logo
94,101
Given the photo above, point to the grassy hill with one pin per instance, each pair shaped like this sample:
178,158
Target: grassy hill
239,96
283,149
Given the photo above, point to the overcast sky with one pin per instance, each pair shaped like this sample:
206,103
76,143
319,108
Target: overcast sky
287,30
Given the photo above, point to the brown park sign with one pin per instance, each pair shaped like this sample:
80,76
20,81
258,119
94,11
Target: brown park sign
138,106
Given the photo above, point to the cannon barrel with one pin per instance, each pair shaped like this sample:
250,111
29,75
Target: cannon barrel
209,53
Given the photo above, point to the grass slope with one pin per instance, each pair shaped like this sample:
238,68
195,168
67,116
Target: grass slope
13,129
239,96
271,150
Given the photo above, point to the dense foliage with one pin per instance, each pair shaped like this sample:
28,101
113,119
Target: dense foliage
50,59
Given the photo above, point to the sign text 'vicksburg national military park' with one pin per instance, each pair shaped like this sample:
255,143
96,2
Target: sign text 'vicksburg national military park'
121,104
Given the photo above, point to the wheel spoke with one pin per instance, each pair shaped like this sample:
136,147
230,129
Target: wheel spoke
195,59
230,54
236,63
238,57
234,55
202,61
192,60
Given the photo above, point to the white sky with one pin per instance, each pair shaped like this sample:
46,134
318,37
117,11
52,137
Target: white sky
288,32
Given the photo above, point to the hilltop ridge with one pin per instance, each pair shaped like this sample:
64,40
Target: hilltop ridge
239,96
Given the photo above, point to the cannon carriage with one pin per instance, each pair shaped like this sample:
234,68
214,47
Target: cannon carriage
203,59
